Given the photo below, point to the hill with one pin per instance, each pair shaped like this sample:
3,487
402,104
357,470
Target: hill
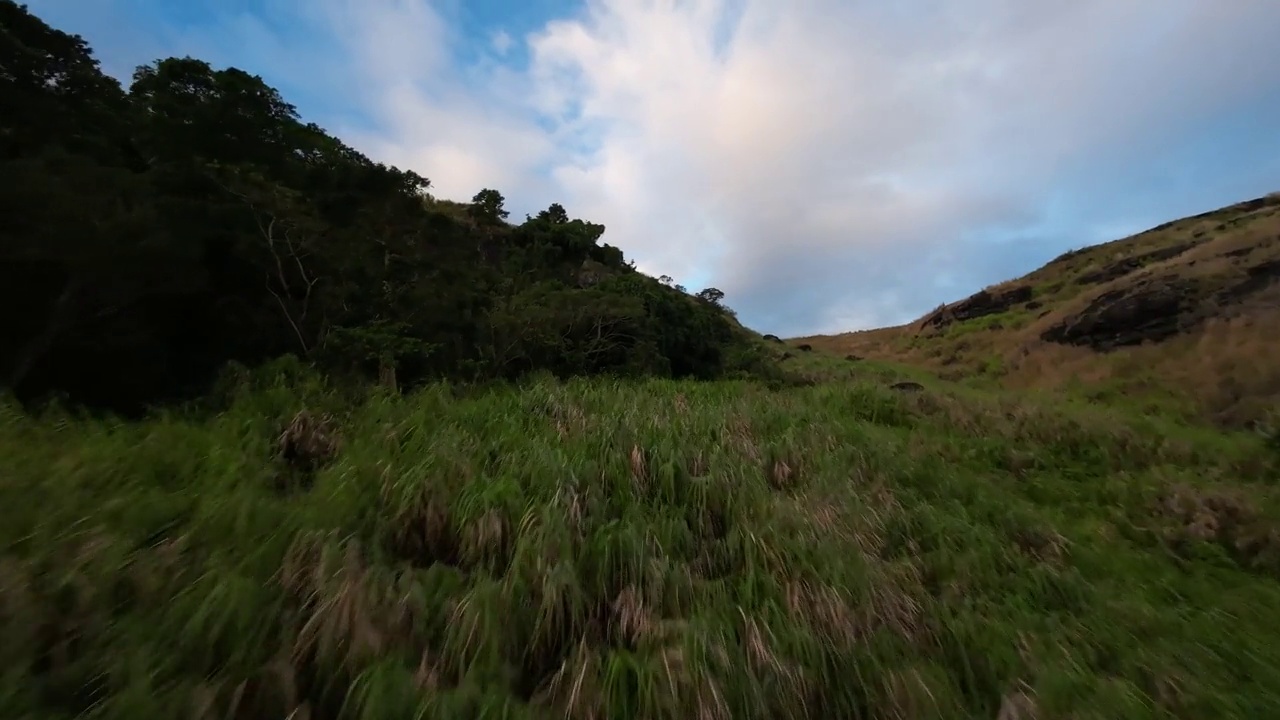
154,234
1180,317
360,453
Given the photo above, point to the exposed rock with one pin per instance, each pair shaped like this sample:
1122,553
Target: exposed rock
1155,309
773,338
1149,311
1127,265
852,358
804,347
907,386
978,305
1034,305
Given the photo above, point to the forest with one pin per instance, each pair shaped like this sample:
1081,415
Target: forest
158,234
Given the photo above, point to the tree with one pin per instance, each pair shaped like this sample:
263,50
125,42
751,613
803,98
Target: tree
555,214
487,205
225,115
711,296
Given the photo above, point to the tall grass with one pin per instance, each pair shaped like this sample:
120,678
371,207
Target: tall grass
637,550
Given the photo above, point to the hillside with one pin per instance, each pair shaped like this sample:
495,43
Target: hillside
156,233
1180,317
283,435
636,549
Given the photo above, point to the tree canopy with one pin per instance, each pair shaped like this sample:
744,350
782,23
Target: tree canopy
157,232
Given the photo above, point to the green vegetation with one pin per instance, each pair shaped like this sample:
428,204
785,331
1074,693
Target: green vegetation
391,456
630,548
1177,318
155,234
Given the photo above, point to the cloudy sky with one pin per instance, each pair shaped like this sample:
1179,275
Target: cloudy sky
830,164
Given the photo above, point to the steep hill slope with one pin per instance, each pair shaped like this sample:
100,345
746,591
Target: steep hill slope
1181,316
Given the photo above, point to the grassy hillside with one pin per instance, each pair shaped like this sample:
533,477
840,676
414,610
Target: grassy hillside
1181,316
512,477
647,549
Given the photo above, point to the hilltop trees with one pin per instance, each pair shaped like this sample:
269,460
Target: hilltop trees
154,233
487,206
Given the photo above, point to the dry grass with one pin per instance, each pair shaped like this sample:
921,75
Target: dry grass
1223,367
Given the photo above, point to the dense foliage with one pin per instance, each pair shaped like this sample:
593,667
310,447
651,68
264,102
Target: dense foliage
153,234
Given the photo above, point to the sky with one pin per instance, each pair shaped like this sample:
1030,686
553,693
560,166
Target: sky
831,165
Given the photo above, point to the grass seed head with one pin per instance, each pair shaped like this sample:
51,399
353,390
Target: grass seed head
1018,705
308,442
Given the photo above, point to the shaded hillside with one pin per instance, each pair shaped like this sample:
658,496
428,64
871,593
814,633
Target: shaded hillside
153,234
1182,315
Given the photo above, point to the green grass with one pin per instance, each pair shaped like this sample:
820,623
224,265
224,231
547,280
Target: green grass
640,550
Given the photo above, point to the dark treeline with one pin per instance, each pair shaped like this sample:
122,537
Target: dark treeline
153,234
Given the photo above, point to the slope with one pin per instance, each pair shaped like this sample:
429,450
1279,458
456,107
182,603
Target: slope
647,549
1179,318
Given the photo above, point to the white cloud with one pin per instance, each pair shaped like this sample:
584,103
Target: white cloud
833,148
828,164
501,41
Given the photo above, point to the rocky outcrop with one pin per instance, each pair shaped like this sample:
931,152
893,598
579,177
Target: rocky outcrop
1146,312
978,305
1156,309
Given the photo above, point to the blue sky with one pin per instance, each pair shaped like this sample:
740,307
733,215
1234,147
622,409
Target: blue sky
831,165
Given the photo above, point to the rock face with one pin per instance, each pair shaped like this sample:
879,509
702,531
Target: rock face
1155,309
978,305
1147,312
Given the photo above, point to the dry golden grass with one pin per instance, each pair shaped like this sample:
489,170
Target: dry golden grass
1222,367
